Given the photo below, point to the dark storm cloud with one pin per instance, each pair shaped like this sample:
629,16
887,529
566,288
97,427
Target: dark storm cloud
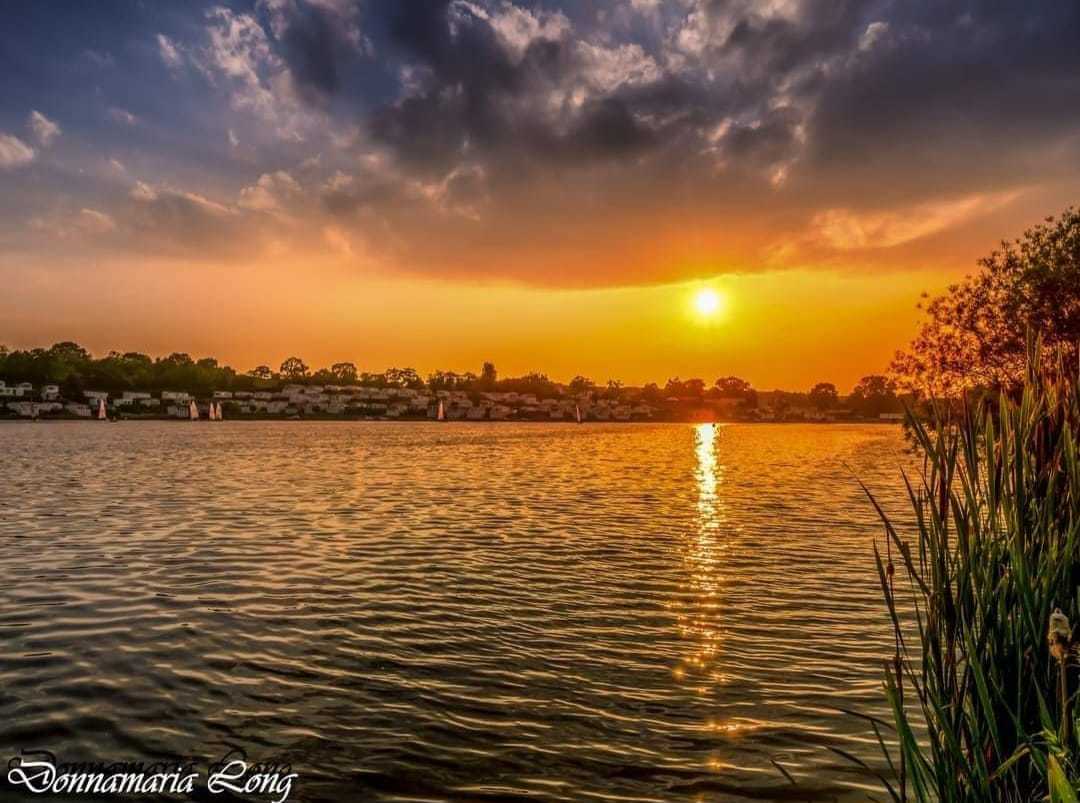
857,76
462,130
955,84
317,42
309,44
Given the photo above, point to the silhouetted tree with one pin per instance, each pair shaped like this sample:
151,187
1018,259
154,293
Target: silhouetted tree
823,395
294,369
875,394
691,388
403,378
975,334
733,387
261,372
580,385
488,376
344,373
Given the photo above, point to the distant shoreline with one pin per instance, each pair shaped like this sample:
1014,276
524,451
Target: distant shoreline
481,422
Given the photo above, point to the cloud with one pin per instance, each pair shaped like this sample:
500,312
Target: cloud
312,38
874,32
169,52
845,229
143,192
122,116
14,152
515,28
270,192
241,58
94,222
44,129
614,142
168,222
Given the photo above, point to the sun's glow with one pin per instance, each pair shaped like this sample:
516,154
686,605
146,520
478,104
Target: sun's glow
708,302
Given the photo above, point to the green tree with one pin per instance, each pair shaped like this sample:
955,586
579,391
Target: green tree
70,352
975,335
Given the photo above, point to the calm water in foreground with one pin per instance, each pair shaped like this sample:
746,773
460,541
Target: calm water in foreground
451,612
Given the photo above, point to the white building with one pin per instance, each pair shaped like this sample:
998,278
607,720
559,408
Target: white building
27,409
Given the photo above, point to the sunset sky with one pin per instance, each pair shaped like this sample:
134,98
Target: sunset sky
433,183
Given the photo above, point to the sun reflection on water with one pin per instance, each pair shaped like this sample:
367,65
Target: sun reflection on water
699,620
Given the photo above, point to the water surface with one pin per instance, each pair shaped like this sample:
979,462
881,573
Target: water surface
461,612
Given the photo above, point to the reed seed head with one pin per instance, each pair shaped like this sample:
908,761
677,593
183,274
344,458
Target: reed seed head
1059,635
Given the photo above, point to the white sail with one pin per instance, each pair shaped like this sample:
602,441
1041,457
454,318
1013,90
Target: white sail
442,412
211,413
101,414
577,413
217,414
193,411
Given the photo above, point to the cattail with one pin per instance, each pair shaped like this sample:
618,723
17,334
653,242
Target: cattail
1059,635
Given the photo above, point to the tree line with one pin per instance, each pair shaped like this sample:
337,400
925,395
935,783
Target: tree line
75,370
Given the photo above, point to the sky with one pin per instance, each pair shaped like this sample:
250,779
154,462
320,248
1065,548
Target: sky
547,185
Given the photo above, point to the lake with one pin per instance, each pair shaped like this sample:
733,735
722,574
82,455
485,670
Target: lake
416,611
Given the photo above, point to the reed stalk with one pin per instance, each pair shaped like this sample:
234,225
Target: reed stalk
983,682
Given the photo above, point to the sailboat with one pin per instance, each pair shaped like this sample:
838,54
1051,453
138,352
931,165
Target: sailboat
577,413
217,413
211,413
101,414
441,415
193,411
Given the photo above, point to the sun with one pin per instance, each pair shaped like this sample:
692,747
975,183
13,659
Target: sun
708,302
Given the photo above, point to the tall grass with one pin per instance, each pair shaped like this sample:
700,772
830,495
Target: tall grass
982,593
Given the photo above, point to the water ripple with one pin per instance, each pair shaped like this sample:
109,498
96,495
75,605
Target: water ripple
421,612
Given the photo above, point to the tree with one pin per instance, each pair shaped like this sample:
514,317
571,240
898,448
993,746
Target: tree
294,368
732,387
580,385
823,395
261,372
488,375
975,334
344,372
691,388
70,352
874,394
403,378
